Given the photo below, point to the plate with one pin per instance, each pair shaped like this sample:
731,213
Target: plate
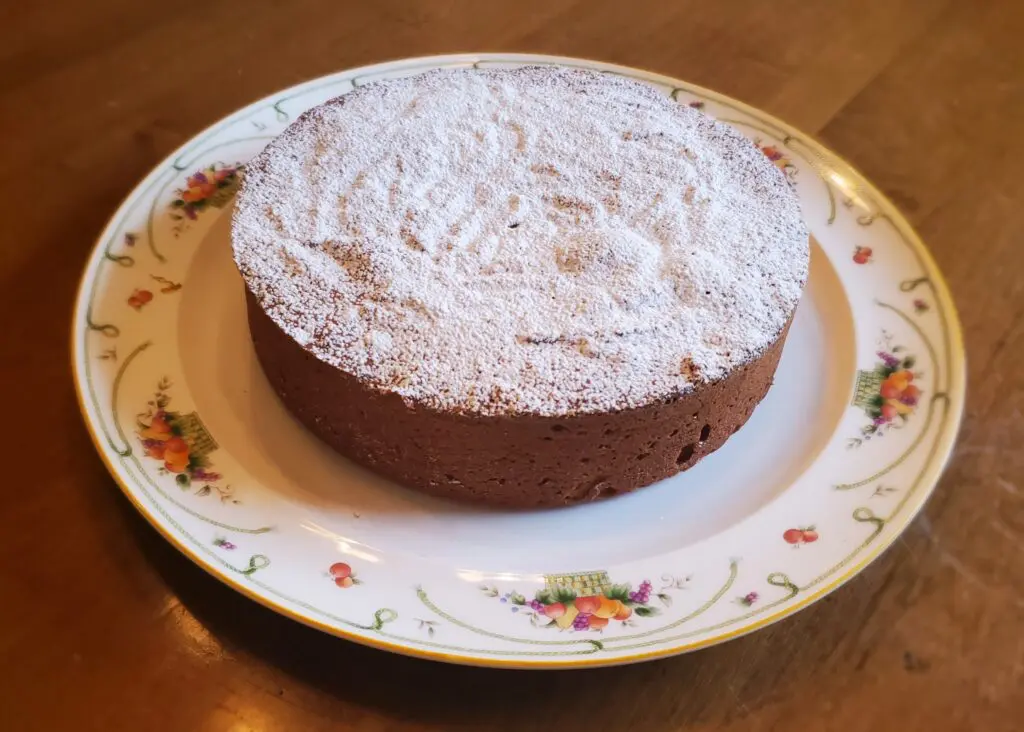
832,466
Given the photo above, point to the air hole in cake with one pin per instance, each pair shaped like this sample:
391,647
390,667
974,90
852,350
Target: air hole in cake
545,481
705,432
609,431
685,454
673,433
584,460
558,428
548,438
450,478
643,456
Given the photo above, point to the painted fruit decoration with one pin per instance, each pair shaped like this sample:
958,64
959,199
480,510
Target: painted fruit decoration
343,575
796,537
212,186
584,601
782,162
889,393
181,443
139,298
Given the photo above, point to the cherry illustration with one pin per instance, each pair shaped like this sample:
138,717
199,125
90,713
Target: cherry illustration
340,570
793,536
804,535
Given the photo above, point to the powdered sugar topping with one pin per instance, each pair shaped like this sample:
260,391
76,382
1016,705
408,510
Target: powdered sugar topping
540,240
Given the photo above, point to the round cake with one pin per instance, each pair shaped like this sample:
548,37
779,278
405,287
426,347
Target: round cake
527,287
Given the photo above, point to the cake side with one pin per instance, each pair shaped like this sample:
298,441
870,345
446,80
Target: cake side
543,241
521,461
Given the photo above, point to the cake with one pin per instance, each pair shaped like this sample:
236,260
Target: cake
525,287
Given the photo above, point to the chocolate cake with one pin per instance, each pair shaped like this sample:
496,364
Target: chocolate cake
526,287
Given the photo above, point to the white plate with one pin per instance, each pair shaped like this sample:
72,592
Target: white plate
813,488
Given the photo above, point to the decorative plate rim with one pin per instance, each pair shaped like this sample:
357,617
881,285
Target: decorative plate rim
927,477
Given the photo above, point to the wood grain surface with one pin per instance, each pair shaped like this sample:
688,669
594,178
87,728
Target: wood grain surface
104,626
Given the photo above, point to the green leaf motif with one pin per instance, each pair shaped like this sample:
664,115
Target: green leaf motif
618,592
646,611
221,198
517,598
564,595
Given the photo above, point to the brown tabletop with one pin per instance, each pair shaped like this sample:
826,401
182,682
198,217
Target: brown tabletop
105,626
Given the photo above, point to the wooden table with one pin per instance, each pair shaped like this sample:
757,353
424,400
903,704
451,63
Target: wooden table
104,626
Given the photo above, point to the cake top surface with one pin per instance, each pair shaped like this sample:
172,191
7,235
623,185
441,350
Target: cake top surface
541,240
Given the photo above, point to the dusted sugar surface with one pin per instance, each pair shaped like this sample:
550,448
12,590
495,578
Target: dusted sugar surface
540,241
